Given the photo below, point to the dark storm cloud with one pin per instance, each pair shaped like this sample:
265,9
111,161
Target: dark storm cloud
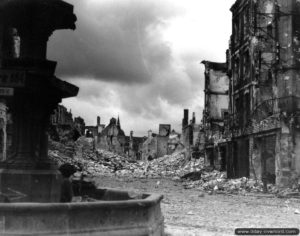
119,57
114,41
119,45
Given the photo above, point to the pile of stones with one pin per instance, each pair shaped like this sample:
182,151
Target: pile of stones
94,162
89,161
192,173
217,182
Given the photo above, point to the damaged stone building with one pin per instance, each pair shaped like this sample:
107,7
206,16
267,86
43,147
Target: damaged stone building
174,142
79,125
215,113
156,145
133,147
264,91
63,127
190,132
112,138
94,131
62,116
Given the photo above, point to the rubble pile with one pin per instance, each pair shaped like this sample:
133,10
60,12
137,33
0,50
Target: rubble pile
217,182
91,162
174,165
171,166
192,173
66,150
81,156
63,133
119,164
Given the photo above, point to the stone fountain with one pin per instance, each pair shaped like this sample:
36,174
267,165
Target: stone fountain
29,181
29,92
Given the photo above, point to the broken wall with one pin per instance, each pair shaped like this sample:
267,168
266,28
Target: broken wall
162,145
218,81
218,104
112,138
164,129
149,148
217,97
187,136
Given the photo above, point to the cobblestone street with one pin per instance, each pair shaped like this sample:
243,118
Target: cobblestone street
192,213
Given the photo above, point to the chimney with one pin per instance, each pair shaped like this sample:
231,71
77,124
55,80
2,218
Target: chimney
98,120
194,118
185,120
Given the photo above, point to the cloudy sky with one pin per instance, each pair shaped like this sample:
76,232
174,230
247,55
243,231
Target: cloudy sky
140,59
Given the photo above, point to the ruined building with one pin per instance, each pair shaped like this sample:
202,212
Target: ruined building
63,127
149,148
156,145
94,131
215,112
133,146
190,132
112,138
62,116
79,125
264,70
187,129
174,142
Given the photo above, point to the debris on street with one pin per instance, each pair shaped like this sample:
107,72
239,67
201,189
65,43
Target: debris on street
192,173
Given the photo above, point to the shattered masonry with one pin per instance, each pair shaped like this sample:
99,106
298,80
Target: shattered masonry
112,138
63,127
263,129
156,145
215,112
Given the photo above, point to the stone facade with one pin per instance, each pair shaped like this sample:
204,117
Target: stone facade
95,131
190,130
156,145
133,147
63,127
112,138
263,65
62,116
149,148
174,142
79,125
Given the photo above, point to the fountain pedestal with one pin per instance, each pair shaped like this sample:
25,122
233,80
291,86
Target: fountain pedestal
29,92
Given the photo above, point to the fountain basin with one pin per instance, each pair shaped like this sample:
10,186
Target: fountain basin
115,213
